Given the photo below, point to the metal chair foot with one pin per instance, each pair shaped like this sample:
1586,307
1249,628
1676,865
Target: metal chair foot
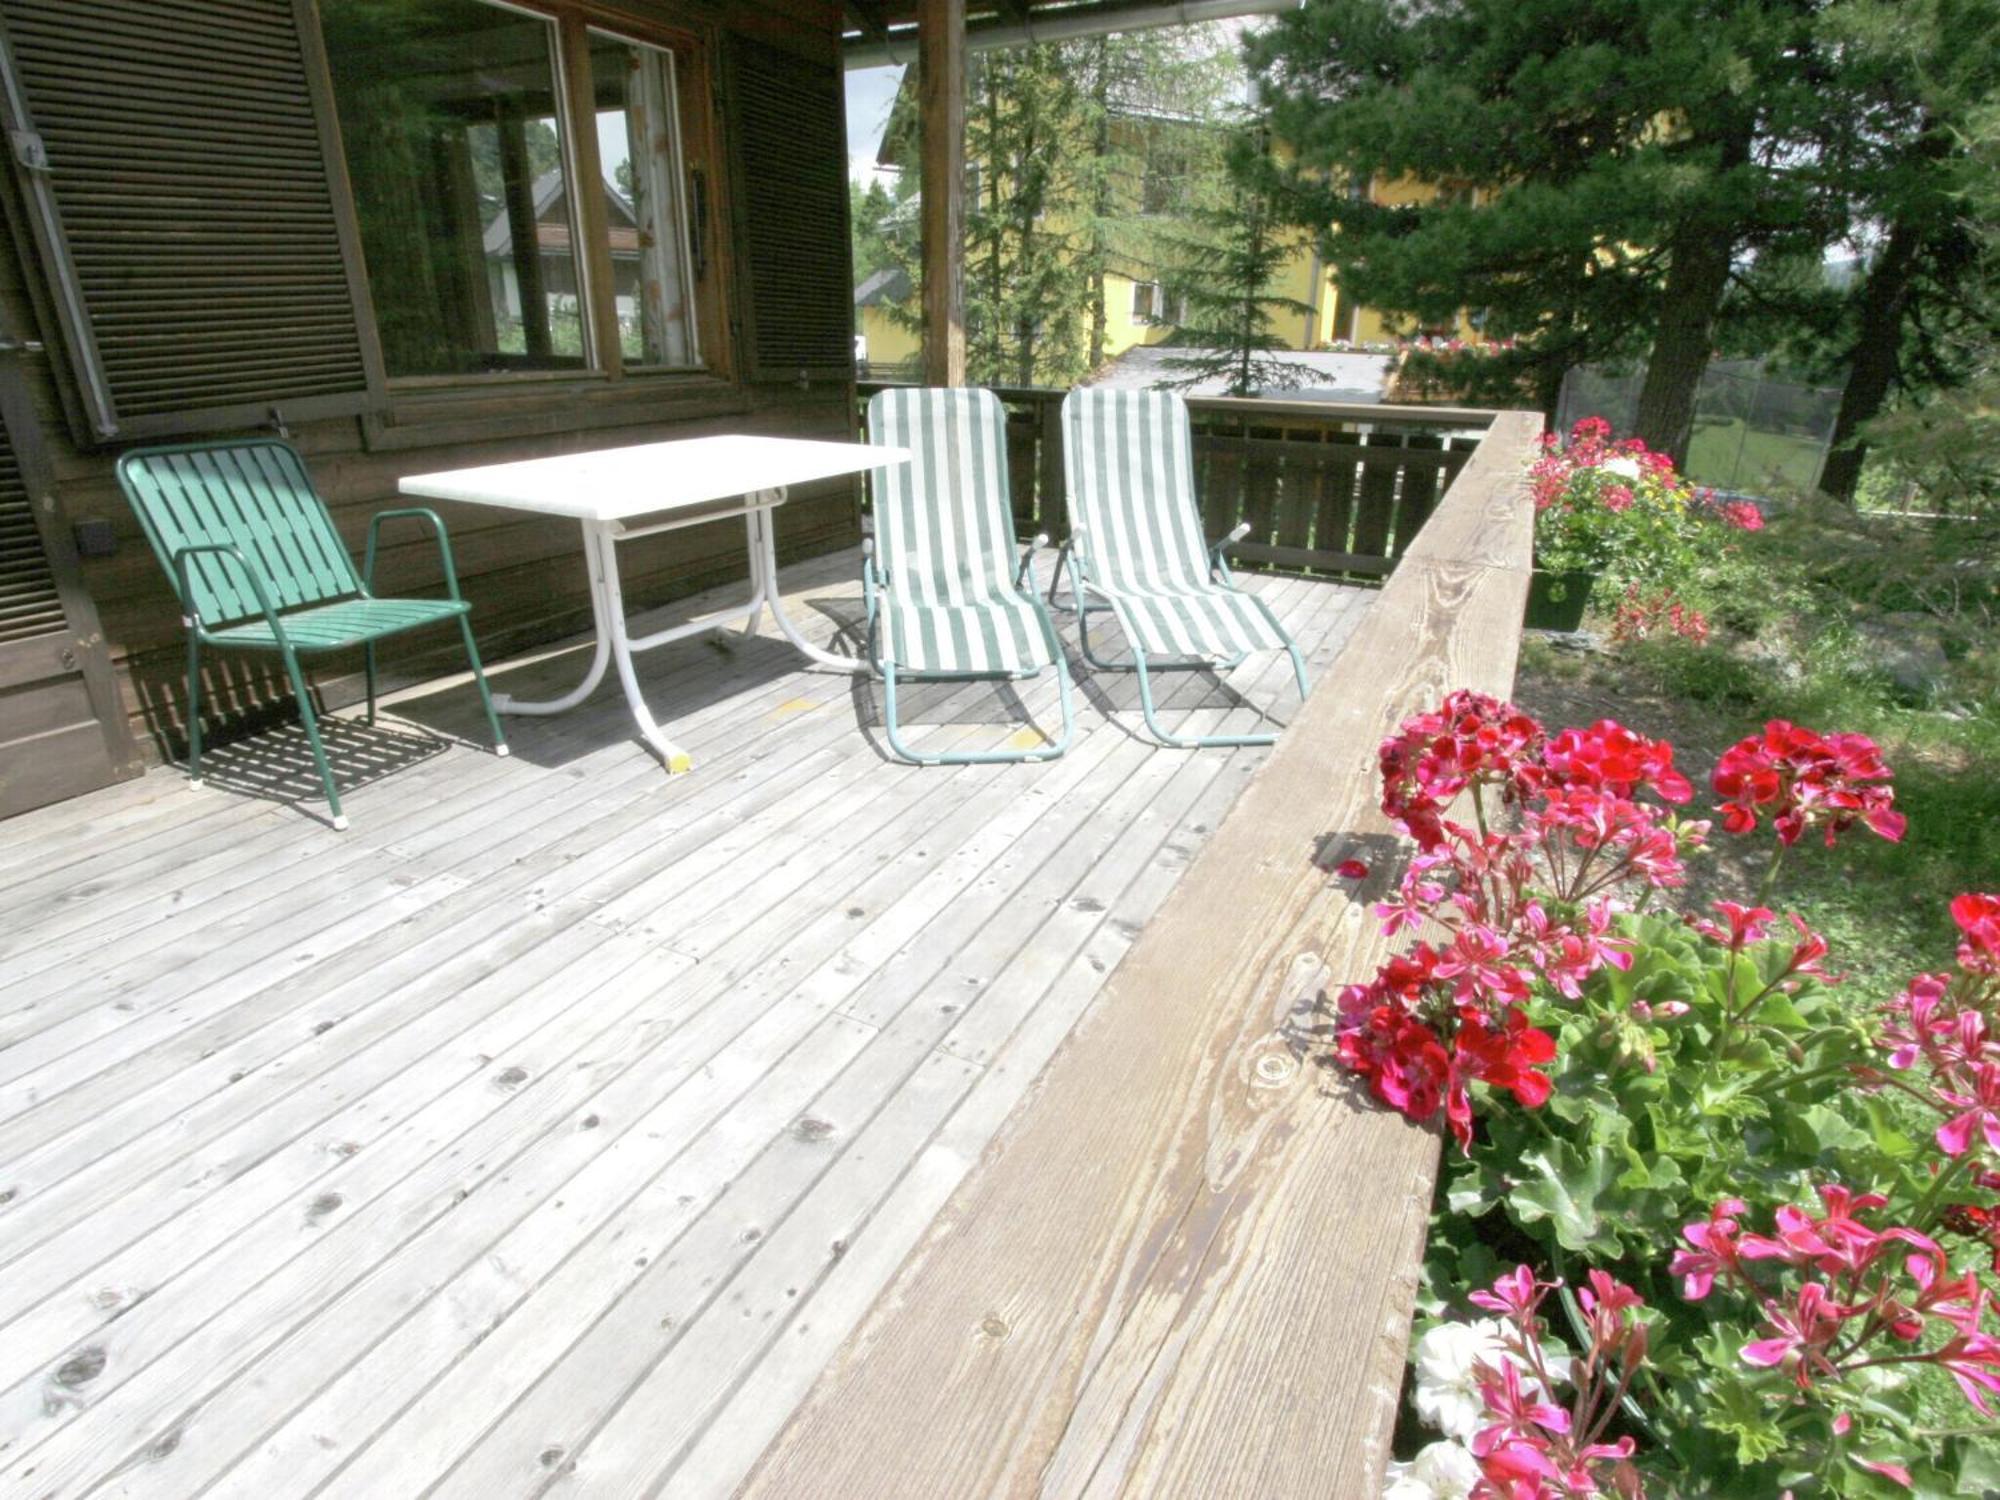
340,824
502,751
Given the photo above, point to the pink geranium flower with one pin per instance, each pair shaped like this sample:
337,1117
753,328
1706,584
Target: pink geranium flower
1801,779
1978,917
1715,1250
1978,1110
1803,1331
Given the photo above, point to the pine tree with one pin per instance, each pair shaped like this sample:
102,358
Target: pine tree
1222,280
1910,150
1609,165
1055,151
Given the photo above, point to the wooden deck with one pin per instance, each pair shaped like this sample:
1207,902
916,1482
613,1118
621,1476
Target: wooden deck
549,1131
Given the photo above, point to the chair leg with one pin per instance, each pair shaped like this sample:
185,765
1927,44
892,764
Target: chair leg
1193,742
973,757
194,709
890,725
311,722
368,668
479,680
1055,577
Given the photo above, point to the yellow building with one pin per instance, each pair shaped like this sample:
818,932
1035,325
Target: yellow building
1138,310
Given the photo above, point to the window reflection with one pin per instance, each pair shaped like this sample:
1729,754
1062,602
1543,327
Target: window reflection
638,141
454,144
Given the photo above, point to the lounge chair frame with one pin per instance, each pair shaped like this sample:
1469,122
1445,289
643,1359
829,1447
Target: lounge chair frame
1091,593
880,590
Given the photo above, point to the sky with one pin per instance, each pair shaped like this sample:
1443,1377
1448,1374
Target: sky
870,92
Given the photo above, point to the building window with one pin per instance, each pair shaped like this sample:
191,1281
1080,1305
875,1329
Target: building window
485,253
455,146
1152,303
1164,182
638,144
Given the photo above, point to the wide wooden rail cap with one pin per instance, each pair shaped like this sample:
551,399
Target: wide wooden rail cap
1185,1267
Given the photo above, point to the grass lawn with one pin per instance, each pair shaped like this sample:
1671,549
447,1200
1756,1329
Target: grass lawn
1723,454
1882,906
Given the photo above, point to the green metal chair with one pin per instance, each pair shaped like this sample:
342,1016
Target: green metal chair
1136,550
258,565
942,586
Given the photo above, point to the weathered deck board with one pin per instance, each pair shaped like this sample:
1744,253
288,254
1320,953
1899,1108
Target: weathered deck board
331,1159
1167,1277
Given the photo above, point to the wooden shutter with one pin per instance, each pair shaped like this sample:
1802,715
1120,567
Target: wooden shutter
788,124
62,728
171,153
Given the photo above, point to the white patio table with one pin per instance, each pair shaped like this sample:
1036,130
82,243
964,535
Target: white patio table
621,493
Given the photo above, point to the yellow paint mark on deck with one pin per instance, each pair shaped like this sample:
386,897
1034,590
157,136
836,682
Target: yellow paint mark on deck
1026,739
794,706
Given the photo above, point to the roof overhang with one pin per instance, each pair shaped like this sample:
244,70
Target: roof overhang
881,32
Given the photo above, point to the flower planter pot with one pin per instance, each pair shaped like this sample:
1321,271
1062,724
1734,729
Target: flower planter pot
1556,601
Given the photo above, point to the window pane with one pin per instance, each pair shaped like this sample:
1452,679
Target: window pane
638,143
454,144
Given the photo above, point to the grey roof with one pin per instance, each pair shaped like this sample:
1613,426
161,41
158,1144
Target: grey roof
891,284
1357,378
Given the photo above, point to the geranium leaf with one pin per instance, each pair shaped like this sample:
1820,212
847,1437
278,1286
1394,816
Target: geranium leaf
1563,1189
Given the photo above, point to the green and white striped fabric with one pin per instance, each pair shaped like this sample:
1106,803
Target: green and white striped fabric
1129,460
944,538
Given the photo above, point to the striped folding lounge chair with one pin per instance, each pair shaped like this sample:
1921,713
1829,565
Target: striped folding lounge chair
1136,549
939,575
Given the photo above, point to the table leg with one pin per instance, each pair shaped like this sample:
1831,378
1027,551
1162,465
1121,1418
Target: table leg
601,654
764,577
671,755
760,586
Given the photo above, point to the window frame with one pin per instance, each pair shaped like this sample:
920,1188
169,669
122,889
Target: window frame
421,410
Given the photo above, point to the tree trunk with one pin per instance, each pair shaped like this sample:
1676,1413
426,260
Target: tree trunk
1872,366
1695,283
1101,206
1697,276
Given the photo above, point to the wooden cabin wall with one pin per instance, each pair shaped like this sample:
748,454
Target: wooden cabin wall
524,574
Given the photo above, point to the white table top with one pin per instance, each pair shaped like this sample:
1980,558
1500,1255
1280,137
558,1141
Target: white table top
612,484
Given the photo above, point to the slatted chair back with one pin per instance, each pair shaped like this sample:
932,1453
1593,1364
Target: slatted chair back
1131,488
253,494
944,523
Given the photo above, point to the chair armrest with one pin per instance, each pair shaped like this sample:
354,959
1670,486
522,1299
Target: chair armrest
1041,539
1236,534
184,580
411,513
1217,561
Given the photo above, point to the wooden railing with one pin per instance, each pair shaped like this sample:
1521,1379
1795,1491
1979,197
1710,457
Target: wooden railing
1326,487
1186,1264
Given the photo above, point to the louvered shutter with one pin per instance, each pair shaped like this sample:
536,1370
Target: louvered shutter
62,727
788,124
183,179
30,605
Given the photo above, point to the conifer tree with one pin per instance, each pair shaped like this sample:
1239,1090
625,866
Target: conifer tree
1607,167
1222,284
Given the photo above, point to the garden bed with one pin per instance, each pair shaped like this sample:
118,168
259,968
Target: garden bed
1707,1002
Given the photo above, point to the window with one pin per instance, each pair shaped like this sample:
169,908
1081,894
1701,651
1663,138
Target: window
638,145
1152,303
487,251
1163,185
